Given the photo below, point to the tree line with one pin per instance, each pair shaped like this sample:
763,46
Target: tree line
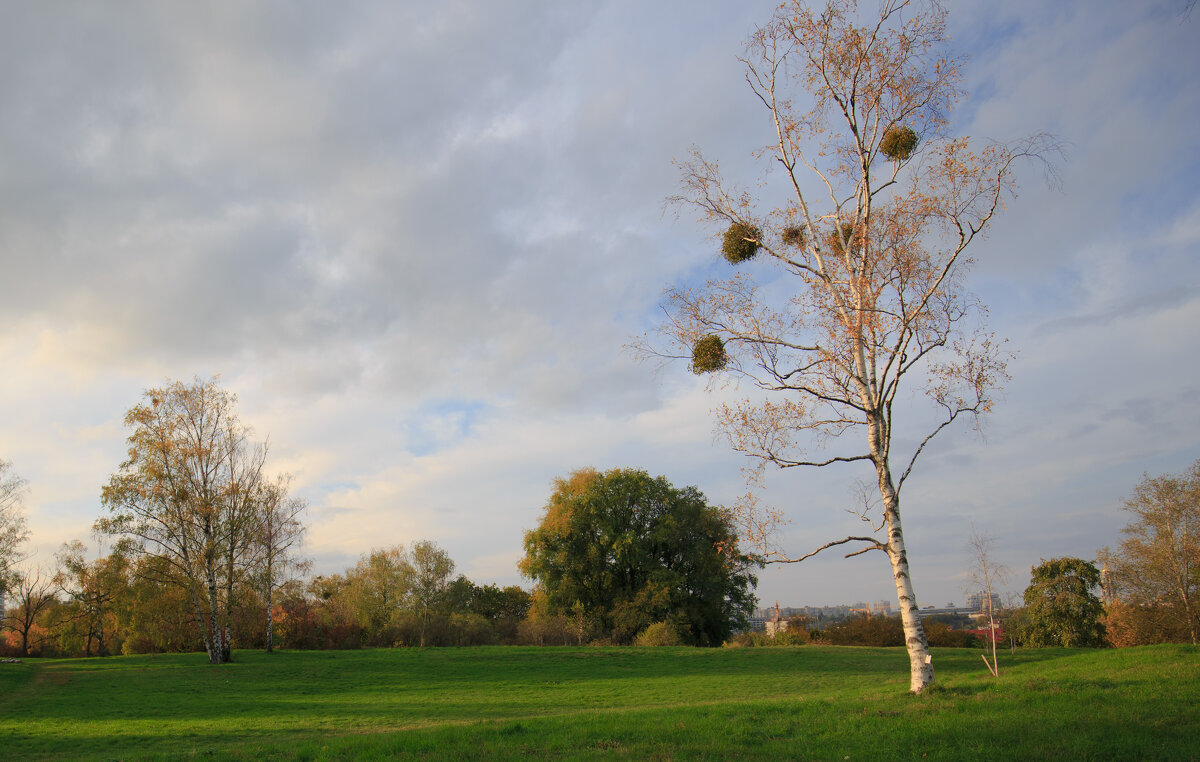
204,552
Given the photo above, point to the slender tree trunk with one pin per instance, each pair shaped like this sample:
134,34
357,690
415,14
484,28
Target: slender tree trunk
216,646
920,660
270,613
205,629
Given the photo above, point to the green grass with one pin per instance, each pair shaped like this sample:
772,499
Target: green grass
611,703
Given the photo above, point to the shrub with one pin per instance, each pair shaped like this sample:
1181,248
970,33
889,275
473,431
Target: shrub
941,634
865,631
658,634
1132,625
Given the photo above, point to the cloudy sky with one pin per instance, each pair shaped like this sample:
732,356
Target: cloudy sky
415,238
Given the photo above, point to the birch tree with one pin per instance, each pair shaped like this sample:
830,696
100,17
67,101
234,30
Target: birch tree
280,530
879,207
985,575
186,495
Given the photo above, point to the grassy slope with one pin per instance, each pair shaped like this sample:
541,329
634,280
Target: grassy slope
820,703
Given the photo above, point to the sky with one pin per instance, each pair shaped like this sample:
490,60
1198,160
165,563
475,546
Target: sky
416,239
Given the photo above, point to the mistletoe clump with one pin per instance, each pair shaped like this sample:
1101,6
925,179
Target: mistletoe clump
839,236
741,242
708,354
898,143
793,235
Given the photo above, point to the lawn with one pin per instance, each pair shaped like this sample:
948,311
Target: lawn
616,703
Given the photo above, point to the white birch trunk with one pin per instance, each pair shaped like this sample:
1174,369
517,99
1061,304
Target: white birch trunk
920,659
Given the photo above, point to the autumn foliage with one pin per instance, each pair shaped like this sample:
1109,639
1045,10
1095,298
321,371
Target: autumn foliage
872,206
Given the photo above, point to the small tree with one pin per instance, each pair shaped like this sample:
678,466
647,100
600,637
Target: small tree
432,568
376,592
986,575
881,206
92,586
279,533
1061,607
33,593
1157,566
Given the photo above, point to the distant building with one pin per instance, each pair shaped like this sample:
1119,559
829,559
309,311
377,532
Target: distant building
978,602
777,623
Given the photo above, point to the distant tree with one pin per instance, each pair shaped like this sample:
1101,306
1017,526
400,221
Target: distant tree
13,530
187,495
280,529
542,627
92,586
1156,568
33,594
633,550
872,210
986,575
503,608
432,568
324,616
1061,607
377,590
156,614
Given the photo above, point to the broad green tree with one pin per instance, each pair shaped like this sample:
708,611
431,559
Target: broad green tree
634,550
1061,606
187,495
850,294
1157,566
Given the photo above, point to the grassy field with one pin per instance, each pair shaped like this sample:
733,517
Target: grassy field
617,703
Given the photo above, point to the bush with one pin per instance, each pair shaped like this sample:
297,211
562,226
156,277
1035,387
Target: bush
658,634
1129,625
880,631
941,634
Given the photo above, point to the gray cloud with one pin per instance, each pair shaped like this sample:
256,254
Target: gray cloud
415,238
